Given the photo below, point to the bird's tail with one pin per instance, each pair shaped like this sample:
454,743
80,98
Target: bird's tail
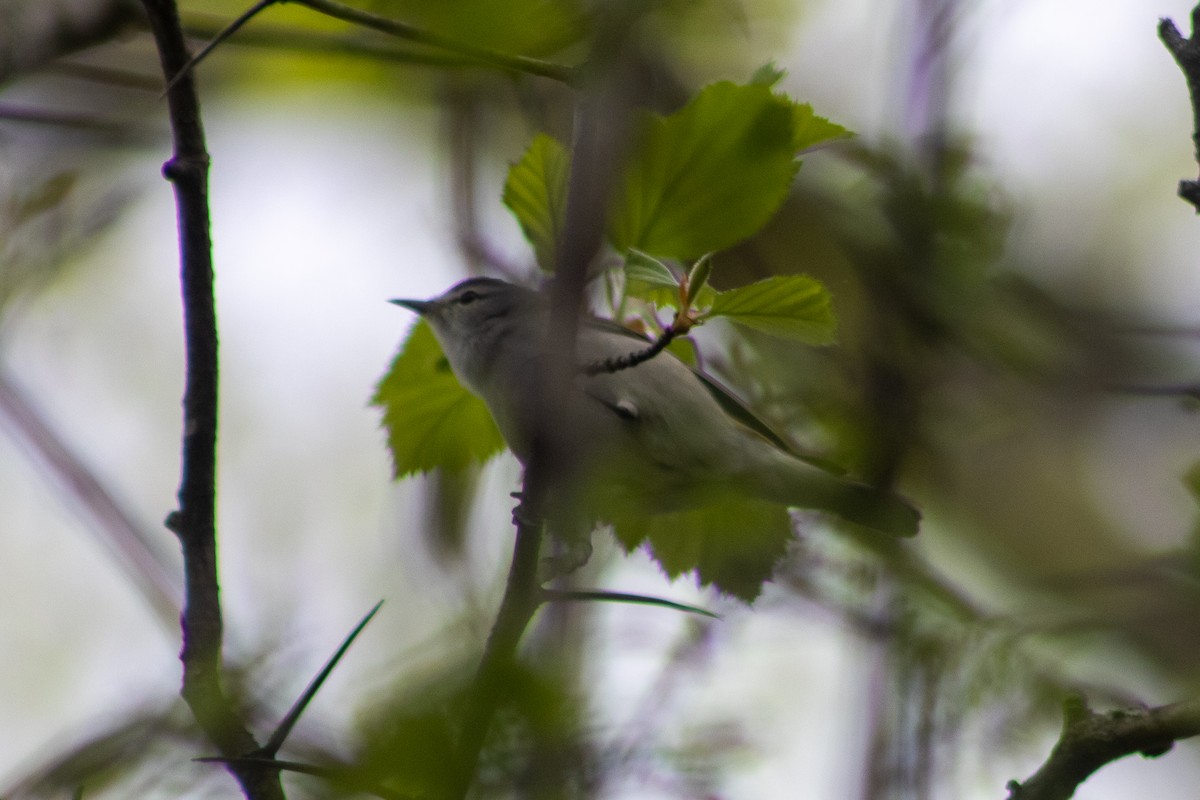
796,483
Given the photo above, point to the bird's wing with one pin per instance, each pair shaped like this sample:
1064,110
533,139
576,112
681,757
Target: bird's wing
729,402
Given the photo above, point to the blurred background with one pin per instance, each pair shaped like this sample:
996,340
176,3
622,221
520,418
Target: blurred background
1017,288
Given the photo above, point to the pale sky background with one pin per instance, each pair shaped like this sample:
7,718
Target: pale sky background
1079,112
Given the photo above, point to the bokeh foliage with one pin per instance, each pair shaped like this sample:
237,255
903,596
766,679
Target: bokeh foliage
958,373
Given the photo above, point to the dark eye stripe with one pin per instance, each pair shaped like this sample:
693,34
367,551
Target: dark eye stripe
469,296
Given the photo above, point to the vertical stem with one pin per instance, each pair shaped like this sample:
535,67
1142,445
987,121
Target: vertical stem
195,521
599,139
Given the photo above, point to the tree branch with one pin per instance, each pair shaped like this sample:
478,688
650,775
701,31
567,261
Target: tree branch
401,30
349,46
600,132
520,601
1186,53
148,570
195,521
618,363
1090,740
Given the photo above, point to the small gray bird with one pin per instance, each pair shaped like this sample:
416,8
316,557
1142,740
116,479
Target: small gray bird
659,435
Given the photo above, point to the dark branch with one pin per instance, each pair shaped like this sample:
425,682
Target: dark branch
499,656
225,33
618,363
1090,740
195,521
1186,53
600,130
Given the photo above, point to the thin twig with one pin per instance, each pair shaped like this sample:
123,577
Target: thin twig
576,596
1090,740
294,40
120,131
225,33
403,30
195,521
293,716
1187,390
158,583
392,27
618,363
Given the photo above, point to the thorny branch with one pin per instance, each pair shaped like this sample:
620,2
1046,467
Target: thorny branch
195,521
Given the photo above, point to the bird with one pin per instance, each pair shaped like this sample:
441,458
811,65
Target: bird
659,436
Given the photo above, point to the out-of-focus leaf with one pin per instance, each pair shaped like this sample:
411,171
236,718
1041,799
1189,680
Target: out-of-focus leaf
411,750
684,348
792,306
810,130
768,75
531,27
732,543
409,740
535,192
1191,480
44,197
448,496
431,420
708,176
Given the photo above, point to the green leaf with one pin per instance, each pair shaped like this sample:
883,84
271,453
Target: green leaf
648,279
684,348
698,280
645,272
532,27
732,543
792,306
707,176
810,130
431,420
768,74
536,191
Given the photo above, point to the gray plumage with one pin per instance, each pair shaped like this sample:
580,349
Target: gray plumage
658,434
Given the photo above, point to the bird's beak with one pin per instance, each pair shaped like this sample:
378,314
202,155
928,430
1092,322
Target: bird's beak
419,306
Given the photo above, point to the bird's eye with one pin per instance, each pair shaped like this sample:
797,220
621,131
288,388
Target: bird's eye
469,296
